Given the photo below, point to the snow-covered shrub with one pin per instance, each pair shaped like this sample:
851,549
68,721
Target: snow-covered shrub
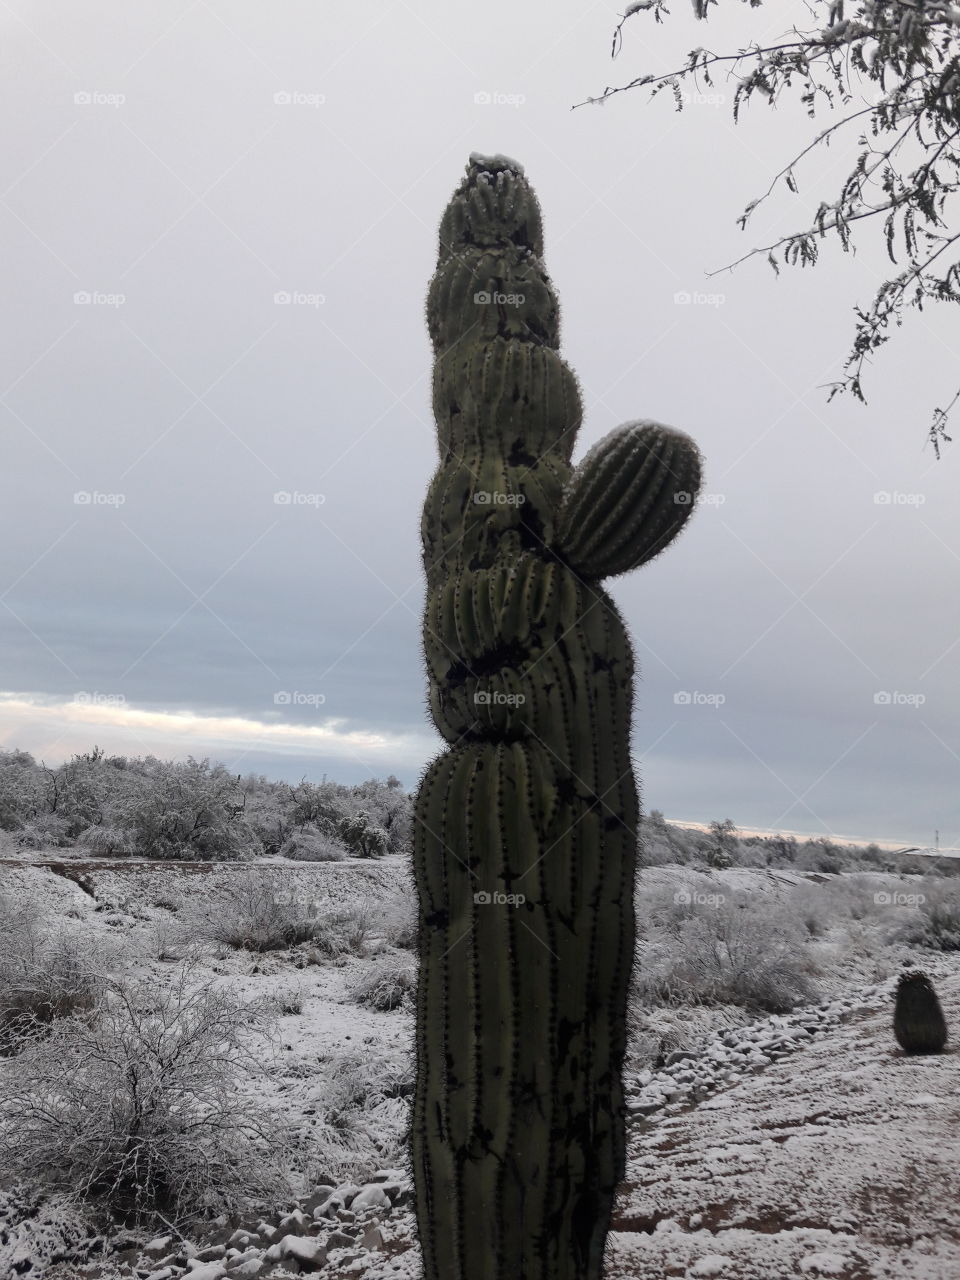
360,1115
735,952
398,924
45,831
44,976
388,984
152,1105
252,911
936,923
363,837
106,841
308,844
190,810
345,931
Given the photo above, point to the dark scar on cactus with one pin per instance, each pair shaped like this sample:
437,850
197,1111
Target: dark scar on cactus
525,844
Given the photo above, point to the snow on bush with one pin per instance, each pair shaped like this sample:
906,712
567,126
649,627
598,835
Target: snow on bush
309,844
936,924
398,924
44,975
389,983
150,1105
726,949
256,910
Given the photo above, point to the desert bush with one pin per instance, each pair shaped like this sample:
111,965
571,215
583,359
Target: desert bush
360,1114
252,911
44,976
190,810
106,841
147,1106
936,923
389,984
398,923
345,931
309,844
736,952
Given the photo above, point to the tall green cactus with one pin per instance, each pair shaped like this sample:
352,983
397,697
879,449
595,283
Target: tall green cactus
525,844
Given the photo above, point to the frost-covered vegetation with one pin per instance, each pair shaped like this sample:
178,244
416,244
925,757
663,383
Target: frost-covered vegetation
124,805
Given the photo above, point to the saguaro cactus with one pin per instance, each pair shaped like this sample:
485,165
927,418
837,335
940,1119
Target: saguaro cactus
525,844
918,1021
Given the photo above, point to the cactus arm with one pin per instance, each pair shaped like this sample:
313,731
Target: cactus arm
628,499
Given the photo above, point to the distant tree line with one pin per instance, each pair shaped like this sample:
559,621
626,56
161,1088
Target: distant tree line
722,846
113,805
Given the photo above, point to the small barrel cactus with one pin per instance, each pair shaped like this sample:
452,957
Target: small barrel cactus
918,1021
525,840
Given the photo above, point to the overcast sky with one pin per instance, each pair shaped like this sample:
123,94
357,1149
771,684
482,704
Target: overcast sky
182,163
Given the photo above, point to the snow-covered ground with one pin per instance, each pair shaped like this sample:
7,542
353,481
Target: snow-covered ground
802,1144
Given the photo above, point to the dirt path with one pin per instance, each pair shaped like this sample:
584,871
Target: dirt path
840,1160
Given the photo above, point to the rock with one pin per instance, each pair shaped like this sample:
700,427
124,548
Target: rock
212,1253
293,1224
346,1215
316,1198
680,1055
158,1247
371,1196
310,1254
241,1238
205,1270
164,1273
246,1268
337,1240
824,1264
372,1238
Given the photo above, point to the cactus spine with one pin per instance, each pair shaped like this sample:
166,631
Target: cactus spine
525,840
918,1021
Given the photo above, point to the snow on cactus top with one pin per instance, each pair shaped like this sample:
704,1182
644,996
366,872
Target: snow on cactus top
495,164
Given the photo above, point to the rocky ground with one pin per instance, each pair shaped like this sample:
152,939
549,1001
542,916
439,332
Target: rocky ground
798,1145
